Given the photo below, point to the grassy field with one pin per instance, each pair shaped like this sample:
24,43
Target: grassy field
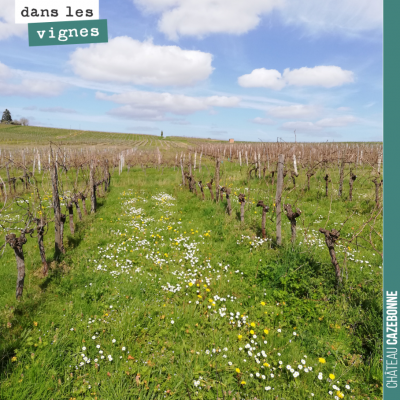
15,135
163,295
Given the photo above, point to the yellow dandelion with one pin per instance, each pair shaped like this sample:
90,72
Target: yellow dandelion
322,360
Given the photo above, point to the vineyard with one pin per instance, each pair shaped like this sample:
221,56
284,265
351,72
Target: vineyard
135,267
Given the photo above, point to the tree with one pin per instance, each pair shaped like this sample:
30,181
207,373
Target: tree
162,134
6,116
24,121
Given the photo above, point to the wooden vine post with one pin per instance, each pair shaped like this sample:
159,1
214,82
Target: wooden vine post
40,225
242,201
309,175
78,208
183,173
17,245
227,191
351,183
278,199
327,180
93,199
330,239
70,207
201,189
378,182
217,167
82,196
209,185
292,218
341,177
58,226
265,209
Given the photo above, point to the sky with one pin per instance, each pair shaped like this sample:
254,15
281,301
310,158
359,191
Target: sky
254,70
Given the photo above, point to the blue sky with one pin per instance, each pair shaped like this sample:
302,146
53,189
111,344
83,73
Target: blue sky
246,69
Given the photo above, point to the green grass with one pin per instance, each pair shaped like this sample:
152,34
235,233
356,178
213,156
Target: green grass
16,135
123,267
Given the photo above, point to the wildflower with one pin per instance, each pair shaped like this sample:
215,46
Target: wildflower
340,394
331,376
272,375
253,324
14,359
320,376
123,349
252,332
262,303
266,331
322,360
268,388
303,361
83,348
93,337
266,364
237,370
279,331
35,323
243,383
190,284
113,340
296,374
172,321
98,346
347,387
294,333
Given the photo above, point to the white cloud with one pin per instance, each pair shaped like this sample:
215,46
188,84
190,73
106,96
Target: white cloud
153,106
327,76
126,60
8,27
5,72
307,127
294,111
12,85
61,110
336,121
261,77
323,75
345,17
199,18
262,121
301,126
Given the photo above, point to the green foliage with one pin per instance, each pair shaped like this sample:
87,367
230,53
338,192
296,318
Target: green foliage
6,117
